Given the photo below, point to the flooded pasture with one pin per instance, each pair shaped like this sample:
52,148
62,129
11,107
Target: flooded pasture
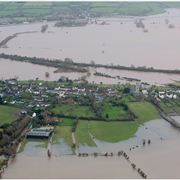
118,42
69,167
155,159
26,71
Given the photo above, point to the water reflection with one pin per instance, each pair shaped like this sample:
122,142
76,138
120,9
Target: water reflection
61,148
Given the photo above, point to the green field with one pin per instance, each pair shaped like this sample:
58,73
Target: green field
145,111
8,114
114,112
63,132
170,106
41,9
82,134
65,122
108,131
128,8
117,131
73,110
113,131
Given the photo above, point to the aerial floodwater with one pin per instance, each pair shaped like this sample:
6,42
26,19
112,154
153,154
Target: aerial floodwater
152,158
118,42
77,147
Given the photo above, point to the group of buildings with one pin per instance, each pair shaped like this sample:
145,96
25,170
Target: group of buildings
41,94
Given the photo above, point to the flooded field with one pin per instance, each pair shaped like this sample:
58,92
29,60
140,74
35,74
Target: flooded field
118,42
151,78
26,71
158,160
66,167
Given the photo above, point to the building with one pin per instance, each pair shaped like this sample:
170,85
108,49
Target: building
43,132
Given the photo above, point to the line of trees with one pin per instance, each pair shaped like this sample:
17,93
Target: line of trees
82,67
45,62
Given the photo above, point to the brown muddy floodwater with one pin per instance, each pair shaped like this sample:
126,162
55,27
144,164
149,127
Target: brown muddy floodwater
26,71
119,42
157,160
70,167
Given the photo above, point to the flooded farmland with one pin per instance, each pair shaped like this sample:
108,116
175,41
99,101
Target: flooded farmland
26,71
155,159
119,42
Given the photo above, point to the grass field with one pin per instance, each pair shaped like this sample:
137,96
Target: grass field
113,131
82,135
63,132
8,114
108,131
114,112
117,131
132,8
145,111
40,9
65,122
73,110
172,106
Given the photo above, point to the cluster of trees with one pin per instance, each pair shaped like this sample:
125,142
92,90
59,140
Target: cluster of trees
10,135
126,90
65,79
4,42
83,100
1,100
103,75
139,23
74,126
39,120
71,23
44,28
